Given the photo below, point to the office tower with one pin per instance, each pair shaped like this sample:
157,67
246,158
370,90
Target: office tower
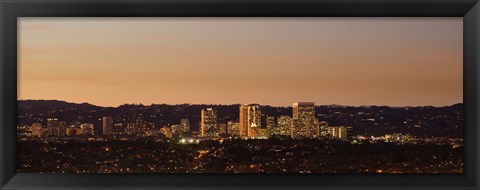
323,127
338,132
37,130
250,120
222,128
209,123
243,120
107,125
284,126
87,128
233,128
303,120
52,126
62,128
185,123
270,123
342,132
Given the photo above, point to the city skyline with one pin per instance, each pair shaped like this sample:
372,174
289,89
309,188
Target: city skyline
343,61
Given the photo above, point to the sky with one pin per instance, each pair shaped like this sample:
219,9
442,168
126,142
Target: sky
270,61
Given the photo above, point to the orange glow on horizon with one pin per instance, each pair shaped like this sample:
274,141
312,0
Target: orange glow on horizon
271,61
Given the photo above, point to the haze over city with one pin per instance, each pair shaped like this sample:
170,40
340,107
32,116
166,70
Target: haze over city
270,61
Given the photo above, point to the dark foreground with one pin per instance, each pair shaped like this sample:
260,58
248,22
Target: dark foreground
236,156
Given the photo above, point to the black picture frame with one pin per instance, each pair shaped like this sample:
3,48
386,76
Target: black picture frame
10,10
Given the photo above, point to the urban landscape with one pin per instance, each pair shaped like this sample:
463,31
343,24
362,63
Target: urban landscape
320,95
61,137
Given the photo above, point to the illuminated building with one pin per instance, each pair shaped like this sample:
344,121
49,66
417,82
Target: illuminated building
62,128
166,131
243,120
342,132
284,126
138,127
176,129
78,131
71,131
222,128
323,127
270,123
209,123
250,120
233,128
185,123
131,128
119,128
52,126
87,128
303,120
107,125
338,132
37,130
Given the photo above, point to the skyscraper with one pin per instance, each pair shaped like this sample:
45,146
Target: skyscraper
284,126
270,122
107,125
185,123
304,120
52,126
62,128
223,128
243,120
233,128
338,132
250,120
209,123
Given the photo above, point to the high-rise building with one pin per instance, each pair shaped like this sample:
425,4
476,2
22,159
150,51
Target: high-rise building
338,132
284,126
37,130
185,123
243,120
62,128
209,123
222,128
107,125
87,128
250,120
304,120
52,126
270,122
323,127
233,128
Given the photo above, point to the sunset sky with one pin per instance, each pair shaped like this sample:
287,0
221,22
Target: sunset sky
273,61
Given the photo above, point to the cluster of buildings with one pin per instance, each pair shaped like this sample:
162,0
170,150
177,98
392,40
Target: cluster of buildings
58,128
253,124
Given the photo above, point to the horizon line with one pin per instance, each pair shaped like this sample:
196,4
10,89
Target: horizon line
339,105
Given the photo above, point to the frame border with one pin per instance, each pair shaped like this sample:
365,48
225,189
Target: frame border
10,10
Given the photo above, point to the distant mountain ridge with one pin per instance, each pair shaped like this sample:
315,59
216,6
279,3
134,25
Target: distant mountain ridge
59,104
54,104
